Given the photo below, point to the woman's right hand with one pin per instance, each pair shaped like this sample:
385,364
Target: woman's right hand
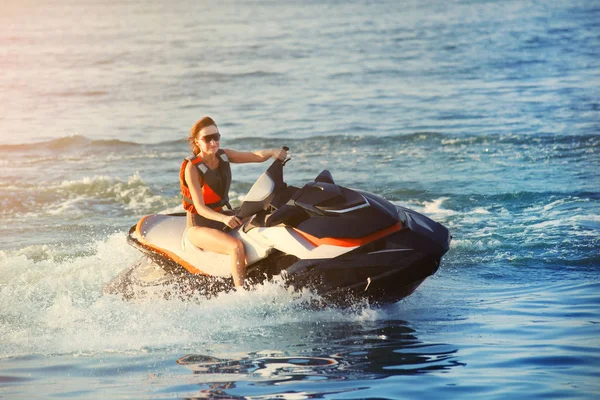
231,221
280,154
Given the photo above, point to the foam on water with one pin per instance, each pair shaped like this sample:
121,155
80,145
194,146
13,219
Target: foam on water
53,306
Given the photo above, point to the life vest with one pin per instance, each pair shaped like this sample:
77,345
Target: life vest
215,190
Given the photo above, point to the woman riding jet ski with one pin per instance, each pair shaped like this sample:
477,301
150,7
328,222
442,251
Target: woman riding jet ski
341,243
204,179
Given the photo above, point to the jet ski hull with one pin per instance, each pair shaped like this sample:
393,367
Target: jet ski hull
384,270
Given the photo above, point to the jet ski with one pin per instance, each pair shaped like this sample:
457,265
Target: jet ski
343,244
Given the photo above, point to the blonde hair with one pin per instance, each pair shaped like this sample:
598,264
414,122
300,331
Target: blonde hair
198,126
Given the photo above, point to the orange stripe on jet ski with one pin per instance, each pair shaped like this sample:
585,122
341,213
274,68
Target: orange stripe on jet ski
350,242
142,239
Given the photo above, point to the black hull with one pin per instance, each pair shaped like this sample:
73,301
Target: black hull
384,271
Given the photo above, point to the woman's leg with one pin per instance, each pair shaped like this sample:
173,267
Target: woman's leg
222,243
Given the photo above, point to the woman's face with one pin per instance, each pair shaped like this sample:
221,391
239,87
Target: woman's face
209,139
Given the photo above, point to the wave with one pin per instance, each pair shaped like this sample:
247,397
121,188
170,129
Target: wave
528,197
589,142
227,76
85,196
91,93
73,142
463,202
539,230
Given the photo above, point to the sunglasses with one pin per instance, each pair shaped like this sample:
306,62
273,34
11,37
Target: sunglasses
209,138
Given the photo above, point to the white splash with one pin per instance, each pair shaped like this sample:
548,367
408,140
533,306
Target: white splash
57,306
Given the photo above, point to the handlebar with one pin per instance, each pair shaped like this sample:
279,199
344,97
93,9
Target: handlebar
274,172
287,159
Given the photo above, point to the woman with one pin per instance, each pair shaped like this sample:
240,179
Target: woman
205,178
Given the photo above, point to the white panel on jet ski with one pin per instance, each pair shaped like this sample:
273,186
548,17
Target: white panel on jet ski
163,231
255,246
261,189
291,242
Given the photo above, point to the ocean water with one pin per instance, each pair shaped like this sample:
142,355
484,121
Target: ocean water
483,115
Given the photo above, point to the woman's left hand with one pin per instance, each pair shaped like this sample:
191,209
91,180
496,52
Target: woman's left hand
231,221
279,154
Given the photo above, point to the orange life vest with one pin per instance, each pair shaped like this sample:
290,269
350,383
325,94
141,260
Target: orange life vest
215,190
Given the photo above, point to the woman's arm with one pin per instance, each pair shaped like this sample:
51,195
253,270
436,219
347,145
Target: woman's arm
240,157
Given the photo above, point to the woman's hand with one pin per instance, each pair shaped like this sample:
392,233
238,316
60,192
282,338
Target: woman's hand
231,221
279,154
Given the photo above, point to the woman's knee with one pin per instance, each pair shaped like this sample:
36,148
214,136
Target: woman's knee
232,245
237,246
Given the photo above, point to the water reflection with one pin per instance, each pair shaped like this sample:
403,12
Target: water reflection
327,353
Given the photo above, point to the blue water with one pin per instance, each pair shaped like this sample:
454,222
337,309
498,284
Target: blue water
483,115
